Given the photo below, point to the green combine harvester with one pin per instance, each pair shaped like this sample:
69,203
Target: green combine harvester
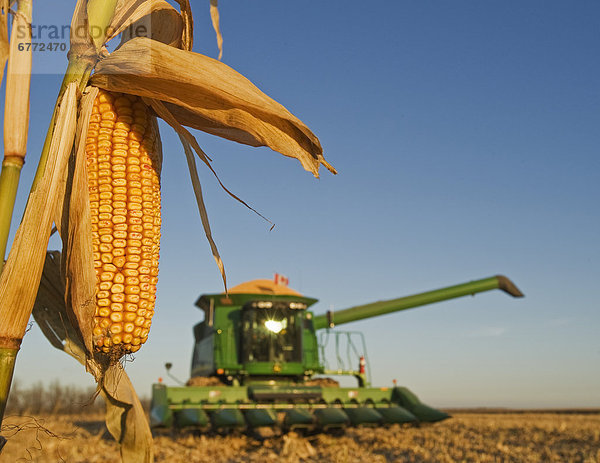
258,362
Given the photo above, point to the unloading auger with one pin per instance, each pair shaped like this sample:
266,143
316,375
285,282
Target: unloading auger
257,360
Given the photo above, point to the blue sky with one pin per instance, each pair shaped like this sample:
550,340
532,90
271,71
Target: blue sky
466,138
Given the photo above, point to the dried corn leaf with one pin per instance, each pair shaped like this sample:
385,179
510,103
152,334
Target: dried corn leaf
18,79
155,19
125,417
21,275
4,49
208,95
214,16
189,155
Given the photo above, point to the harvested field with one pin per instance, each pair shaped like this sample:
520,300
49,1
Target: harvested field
468,436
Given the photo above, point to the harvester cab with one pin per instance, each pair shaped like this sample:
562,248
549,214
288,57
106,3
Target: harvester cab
256,363
260,331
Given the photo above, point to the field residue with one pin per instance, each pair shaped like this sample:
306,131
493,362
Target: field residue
480,437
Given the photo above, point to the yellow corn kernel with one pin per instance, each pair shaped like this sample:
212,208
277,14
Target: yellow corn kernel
116,328
117,288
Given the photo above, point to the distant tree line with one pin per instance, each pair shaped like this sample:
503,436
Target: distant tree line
53,398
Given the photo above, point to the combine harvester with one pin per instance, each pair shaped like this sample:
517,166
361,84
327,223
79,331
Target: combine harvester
256,355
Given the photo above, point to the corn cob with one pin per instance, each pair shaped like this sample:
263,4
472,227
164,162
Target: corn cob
123,168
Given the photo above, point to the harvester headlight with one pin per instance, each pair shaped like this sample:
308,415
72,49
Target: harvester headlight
265,305
274,326
297,305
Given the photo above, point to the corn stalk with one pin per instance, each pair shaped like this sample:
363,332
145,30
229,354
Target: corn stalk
20,280
16,118
16,123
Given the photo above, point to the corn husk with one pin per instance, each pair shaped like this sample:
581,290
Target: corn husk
73,221
21,275
72,218
50,311
188,21
126,13
208,95
155,19
125,417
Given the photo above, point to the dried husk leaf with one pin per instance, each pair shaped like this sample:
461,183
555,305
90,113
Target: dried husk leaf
125,6
21,275
4,49
129,11
155,19
214,16
189,155
18,79
126,12
50,312
153,126
208,95
165,115
125,417
81,41
73,221
187,38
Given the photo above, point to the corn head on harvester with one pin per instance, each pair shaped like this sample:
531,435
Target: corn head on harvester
257,352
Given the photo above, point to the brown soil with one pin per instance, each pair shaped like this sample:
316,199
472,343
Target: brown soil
480,437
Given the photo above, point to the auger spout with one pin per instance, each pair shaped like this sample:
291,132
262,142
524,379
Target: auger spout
408,302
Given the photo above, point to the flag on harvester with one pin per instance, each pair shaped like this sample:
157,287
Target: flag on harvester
281,280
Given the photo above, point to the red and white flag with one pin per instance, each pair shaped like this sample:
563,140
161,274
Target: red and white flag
281,280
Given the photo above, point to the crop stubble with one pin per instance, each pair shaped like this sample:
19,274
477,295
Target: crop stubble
478,437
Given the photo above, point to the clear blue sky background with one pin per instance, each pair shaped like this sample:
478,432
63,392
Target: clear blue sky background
466,138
